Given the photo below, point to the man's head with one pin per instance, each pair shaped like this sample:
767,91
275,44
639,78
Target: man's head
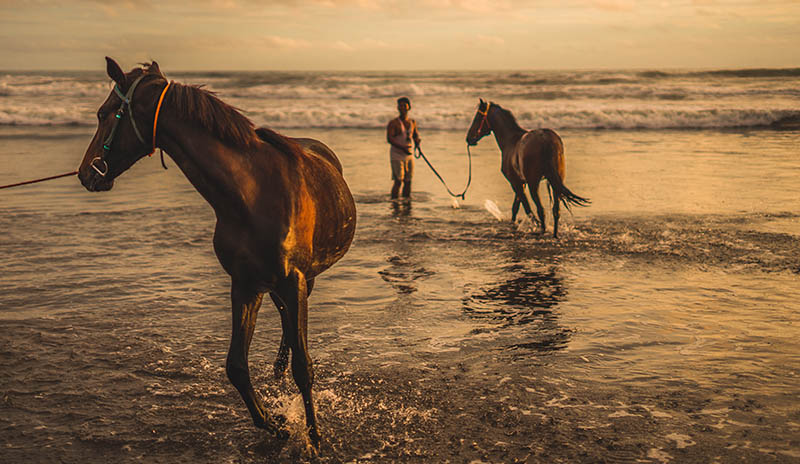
403,105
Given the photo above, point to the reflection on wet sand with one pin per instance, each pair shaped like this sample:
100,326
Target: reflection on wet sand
526,299
401,208
403,273
403,270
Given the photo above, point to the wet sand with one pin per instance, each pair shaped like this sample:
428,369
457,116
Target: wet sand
661,328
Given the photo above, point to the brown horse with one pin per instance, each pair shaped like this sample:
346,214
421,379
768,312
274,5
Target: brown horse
284,212
527,157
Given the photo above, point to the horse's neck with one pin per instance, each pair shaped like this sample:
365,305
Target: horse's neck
218,172
506,133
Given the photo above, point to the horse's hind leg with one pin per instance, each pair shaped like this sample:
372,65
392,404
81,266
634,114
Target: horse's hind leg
556,211
282,359
293,291
245,303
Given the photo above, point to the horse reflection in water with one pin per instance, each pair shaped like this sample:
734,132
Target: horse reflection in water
527,299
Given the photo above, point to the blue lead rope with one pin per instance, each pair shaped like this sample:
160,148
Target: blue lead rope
418,153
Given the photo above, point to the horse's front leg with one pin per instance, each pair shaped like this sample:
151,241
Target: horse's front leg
293,293
245,305
534,189
519,196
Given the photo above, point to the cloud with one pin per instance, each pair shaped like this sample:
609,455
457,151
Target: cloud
491,40
285,43
372,43
484,43
342,46
614,5
359,45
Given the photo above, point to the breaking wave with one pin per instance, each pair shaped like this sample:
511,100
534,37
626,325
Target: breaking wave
655,99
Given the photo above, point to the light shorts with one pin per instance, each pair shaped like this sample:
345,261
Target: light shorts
402,170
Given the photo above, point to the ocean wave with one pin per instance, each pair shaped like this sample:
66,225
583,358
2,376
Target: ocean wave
46,116
366,118
601,118
654,99
753,73
543,92
543,85
39,86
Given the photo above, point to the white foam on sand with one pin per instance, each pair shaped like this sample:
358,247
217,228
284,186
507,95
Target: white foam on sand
492,208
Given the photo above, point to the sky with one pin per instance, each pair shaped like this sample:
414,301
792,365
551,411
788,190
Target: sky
381,35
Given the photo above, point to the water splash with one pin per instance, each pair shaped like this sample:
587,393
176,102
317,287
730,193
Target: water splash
492,208
455,204
525,223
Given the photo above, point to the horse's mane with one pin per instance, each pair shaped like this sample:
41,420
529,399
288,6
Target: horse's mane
194,103
508,117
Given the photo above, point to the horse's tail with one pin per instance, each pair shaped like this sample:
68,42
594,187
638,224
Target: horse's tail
567,197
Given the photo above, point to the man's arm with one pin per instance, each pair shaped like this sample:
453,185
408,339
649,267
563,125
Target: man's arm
417,139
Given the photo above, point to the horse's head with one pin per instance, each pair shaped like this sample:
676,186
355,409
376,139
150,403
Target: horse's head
480,127
124,125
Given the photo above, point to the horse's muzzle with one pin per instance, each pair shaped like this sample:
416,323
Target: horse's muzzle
94,182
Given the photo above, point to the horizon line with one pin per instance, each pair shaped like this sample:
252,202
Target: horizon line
395,70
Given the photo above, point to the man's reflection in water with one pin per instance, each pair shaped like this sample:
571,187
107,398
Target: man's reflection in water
404,268
401,208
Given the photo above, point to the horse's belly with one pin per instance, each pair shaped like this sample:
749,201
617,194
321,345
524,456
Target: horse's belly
244,258
516,163
333,239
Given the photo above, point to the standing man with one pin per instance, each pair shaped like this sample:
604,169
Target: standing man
399,133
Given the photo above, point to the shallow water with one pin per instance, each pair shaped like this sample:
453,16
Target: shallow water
661,327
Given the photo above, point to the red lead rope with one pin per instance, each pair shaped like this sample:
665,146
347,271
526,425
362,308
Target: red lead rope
38,180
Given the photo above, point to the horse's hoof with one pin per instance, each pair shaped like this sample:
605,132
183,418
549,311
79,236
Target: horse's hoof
313,437
274,425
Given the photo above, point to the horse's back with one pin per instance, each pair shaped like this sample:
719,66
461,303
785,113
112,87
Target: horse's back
535,152
308,145
320,149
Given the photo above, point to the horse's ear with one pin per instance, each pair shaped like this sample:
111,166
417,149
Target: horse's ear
115,72
482,102
154,69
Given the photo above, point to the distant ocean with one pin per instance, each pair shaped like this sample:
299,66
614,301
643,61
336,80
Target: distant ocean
654,99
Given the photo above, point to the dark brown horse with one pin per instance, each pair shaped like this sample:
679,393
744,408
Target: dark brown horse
284,212
527,157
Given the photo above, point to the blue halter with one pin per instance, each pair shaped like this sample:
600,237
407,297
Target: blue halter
126,103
